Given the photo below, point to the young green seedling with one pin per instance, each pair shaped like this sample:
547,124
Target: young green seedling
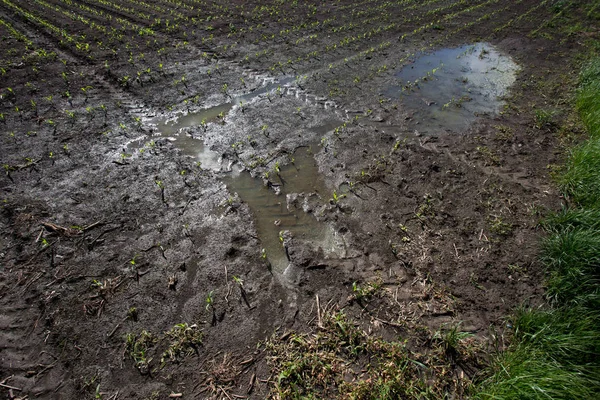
240,283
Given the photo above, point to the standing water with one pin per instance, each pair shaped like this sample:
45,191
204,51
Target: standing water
448,89
272,215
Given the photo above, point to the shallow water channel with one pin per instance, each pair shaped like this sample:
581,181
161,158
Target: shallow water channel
272,215
448,89
271,212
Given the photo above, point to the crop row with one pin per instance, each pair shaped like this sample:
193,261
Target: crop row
383,45
130,30
353,39
116,33
425,47
382,15
548,22
15,33
386,68
310,24
61,32
100,37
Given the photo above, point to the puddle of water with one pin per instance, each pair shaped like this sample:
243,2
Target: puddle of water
212,114
271,214
270,210
450,88
174,129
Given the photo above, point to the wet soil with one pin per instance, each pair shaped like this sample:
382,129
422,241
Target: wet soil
115,221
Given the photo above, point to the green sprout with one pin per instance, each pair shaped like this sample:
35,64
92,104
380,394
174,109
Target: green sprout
210,300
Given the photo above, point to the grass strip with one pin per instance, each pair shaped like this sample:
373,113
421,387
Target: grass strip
588,101
555,350
580,181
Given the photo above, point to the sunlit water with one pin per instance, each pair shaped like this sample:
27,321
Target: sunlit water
450,88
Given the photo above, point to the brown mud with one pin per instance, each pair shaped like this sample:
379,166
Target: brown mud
102,240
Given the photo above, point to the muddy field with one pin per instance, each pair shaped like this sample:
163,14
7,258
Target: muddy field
188,184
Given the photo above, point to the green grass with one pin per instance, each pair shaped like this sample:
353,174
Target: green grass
580,181
588,99
525,373
568,219
567,335
555,350
554,356
572,258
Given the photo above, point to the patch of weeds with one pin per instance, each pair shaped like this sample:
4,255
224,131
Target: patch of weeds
393,374
489,156
543,118
516,269
313,364
499,226
137,346
504,133
453,341
341,360
425,209
365,292
184,341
